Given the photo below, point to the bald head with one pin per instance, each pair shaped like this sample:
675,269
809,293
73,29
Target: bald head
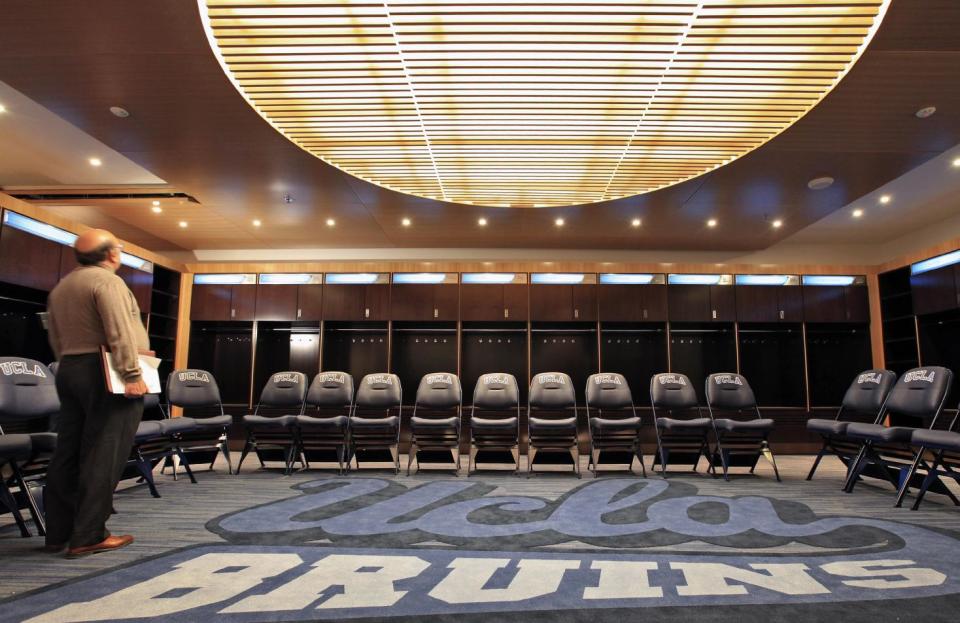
97,247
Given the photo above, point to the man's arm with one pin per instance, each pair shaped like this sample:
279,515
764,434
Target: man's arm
113,303
53,336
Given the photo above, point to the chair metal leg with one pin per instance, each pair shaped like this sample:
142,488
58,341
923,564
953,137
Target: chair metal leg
472,459
410,454
816,462
8,500
575,454
856,469
186,464
663,461
143,466
32,506
927,481
243,455
531,453
768,454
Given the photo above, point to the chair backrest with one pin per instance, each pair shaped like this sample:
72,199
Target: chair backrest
284,389
28,390
439,391
552,390
729,391
920,392
608,390
379,391
868,391
496,391
192,388
672,391
331,390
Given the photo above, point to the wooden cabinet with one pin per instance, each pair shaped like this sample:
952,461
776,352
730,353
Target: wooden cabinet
424,302
701,303
836,304
28,260
632,303
140,283
310,302
356,302
563,303
516,302
494,302
769,303
936,290
276,302
223,302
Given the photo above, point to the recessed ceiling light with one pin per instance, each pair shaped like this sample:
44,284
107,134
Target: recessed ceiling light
857,213
117,111
482,222
157,209
956,162
885,199
925,112
156,203
559,222
635,222
406,222
819,183
712,222
95,162
777,224
183,224
257,222
331,222
3,108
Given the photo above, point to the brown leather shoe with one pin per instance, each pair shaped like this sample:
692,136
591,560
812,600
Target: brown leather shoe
106,545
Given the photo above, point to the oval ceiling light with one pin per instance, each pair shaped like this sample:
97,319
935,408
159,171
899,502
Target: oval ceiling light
926,111
117,111
530,102
819,183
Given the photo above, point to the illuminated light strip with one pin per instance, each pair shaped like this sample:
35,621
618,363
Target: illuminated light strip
933,263
828,280
763,280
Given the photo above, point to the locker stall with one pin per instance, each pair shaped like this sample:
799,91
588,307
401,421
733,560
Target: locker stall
836,353
285,346
419,348
701,349
358,348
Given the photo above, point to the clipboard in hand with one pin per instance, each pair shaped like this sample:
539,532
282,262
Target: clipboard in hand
149,371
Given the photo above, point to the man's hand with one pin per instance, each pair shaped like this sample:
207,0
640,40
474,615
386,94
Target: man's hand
136,389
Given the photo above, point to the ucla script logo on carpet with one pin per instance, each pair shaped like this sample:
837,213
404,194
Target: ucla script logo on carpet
370,547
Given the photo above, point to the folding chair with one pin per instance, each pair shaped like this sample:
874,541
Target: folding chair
682,440
865,397
197,389
326,426
886,451
435,423
372,423
269,434
159,441
945,446
497,398
552,418
27,391
740,443
615,427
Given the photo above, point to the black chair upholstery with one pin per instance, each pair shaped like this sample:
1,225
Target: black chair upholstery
740,442
271,426
197,390
435,423
27,391
324,425
495,418
612,419
920,393
552,417
375,419
679,439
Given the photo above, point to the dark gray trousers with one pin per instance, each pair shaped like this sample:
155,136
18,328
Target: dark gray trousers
95,433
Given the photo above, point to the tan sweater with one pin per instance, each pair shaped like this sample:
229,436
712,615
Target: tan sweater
93,307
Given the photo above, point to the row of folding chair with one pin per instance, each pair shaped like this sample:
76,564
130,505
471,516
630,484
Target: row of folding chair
869,433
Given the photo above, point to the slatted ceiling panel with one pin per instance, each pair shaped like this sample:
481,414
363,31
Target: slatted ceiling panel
533,103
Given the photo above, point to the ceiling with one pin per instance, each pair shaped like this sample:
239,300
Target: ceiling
190,127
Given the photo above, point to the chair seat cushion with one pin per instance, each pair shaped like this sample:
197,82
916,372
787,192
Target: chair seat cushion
378,422
478,423
607,424
263,421
15,446
217,421
541,424
827,427
429,422
148,430
335,422
878,432
43,442
938,439
177,425
761,425
691,425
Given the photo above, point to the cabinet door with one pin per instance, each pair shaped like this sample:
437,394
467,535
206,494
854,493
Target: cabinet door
653,302
824,304
344,302
139,282
211,302
619,303
446,301
276,302
244,302
723,303
585,302
934,291
310,302
857,304
790,302
412,302
376,302
757,304
516,302
552,303
28,260
482,302
689,303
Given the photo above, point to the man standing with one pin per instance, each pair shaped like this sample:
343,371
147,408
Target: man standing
92,307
